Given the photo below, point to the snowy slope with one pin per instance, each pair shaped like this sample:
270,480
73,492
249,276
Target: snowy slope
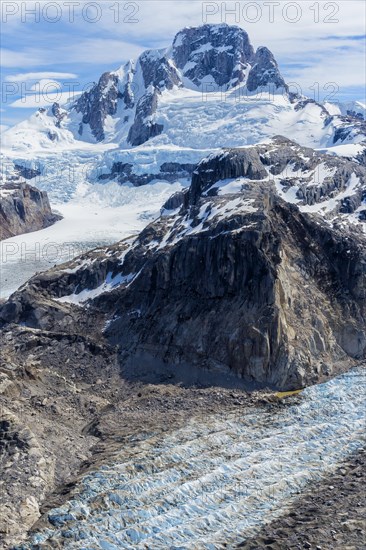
194,125
355,108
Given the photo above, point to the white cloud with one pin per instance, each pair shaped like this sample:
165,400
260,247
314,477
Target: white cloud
28,58
325,50
90,51
101,50
25,77
46,86
45,99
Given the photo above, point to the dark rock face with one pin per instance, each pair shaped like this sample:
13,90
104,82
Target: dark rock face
169,171
232,163
144,126
58,113
129,88
265,72
361,157
120,170
158,70
27,172
348,128
220,52
227,299
175,201
342,134
23,209
238,283
158,73
98,103
302,164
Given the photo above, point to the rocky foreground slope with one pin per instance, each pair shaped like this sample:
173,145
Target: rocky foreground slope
23,208
255,273
330,514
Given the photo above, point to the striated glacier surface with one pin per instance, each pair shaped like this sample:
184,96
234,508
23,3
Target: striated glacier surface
215,481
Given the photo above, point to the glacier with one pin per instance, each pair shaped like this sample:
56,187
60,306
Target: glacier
216,480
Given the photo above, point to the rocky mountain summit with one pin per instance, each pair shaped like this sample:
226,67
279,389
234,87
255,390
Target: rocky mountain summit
217,54
255,273
171,107
205,58
23,208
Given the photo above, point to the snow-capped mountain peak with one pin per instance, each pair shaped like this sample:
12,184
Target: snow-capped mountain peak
203,59
156,117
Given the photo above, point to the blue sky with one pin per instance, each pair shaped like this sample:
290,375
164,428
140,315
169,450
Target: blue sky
320,46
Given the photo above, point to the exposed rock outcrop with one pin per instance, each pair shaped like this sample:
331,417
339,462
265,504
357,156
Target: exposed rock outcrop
145,126
265,72
169,171
158,70
314,177
348,128
98,103
23,209
59,114
27,172
219,53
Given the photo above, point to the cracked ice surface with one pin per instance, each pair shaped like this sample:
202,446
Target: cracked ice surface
216,480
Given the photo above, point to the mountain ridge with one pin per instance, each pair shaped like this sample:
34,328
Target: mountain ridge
204,58
225,279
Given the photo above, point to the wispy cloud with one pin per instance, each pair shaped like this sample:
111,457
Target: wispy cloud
26,58
45,99
101,50
88,52
26,77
